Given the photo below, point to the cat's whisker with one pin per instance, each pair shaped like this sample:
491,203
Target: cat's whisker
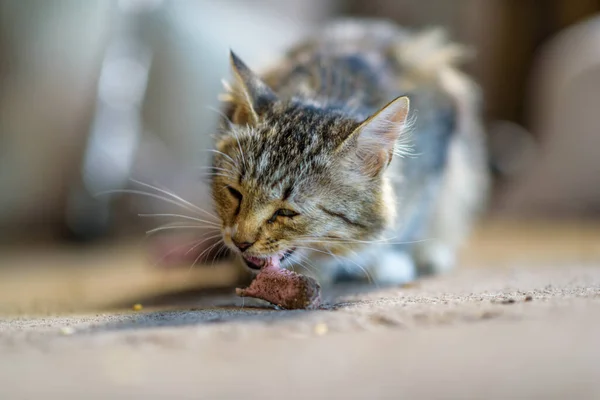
232,163
148,194
174,250
215,168
175,196
221,153
332,238
222,114
218,173
311,248
231,177
329,253
223,247
209,223
301,264
163,228
326,252
302,257
209,226
362,268
306,260
237,139
290,263
336,256
207,250
352,241
306,267
200,243
220,248
225,173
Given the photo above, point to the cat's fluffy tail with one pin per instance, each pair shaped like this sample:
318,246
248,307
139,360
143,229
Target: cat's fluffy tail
427,54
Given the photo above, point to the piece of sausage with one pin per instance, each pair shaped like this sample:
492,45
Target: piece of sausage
284,288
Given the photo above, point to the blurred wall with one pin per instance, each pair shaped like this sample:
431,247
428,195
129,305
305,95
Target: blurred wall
52,53
564,179
505,35
537,64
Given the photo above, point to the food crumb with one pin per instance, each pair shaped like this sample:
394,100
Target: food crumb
67,330
489,315
384,320
137,307
528,298
410,285
321,329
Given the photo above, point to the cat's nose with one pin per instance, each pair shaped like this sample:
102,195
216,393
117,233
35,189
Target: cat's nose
243,246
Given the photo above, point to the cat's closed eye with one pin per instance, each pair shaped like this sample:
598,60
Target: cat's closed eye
235,193
283,212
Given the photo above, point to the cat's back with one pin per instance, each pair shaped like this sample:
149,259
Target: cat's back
365,63
370,37
348,61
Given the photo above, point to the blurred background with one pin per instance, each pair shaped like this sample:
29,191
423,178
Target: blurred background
96,92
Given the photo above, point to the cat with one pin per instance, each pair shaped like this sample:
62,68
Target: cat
360,153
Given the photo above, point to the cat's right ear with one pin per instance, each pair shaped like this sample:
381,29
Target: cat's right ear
376,139
251,95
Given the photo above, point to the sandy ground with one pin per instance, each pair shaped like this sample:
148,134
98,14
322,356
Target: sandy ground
494,329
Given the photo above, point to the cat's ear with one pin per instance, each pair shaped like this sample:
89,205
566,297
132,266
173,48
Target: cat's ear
376,138
252,96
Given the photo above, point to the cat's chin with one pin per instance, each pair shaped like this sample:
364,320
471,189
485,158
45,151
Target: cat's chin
256,263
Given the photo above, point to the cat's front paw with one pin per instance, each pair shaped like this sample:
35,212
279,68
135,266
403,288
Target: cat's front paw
434,258
394,268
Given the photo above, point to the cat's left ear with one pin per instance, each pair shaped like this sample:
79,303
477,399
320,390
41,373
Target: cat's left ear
377,136
253,96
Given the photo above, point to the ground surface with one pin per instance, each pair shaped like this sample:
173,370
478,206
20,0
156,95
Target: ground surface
518,323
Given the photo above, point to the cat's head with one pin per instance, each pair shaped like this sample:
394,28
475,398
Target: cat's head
290,176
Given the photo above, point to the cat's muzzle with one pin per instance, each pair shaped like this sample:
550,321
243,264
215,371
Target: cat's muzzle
256,263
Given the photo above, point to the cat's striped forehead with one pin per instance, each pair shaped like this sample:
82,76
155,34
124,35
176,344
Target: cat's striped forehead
288,145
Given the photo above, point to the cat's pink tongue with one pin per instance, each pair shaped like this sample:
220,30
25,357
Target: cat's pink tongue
272,262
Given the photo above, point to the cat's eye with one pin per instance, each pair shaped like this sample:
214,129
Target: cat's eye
283,212
235,193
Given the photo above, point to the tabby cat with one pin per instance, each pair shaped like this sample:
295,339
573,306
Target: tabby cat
360,153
